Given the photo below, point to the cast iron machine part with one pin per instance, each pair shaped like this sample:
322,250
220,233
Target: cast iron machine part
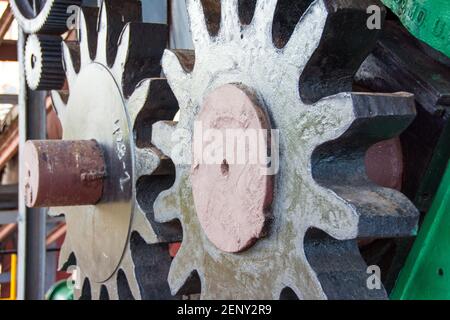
288,66
402,62
427,75
105,174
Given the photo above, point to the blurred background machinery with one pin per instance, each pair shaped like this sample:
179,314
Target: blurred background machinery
409,54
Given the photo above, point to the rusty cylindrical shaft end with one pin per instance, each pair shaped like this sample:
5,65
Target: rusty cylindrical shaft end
63,173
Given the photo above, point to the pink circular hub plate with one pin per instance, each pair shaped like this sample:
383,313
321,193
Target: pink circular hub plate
232,193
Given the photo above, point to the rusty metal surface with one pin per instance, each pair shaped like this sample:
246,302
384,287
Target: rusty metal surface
63,173
321,183
115,95
384,164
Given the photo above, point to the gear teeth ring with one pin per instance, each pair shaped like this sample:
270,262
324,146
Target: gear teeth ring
115,94
51,18
43,62
322,198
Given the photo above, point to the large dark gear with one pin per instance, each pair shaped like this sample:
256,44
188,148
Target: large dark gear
266,64
402,62
115,95
43,16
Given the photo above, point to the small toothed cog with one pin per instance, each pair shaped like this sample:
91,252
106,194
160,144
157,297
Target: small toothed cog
44,17
43,62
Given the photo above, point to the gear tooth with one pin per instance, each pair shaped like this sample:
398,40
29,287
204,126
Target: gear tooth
59,104
335,216
77,293
180,274
162,137
147,161
115,15
133,52
331,118
142,226
198,23
122,55
96,290
263,19
396,111
152,96
43,62
82,289
114,32
113,292
309,30
64,254
349,17
138,100
382,212
338,262
401,105
102,30
71,62
178,62
167,206
177,66
340,113
230,24
84,39
128,268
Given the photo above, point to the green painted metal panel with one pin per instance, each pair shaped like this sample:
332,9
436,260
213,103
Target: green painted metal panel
436,170
426,275
428,20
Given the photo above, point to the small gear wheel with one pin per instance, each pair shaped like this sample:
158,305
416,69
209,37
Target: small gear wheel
44,16
252,234
43,64
115,95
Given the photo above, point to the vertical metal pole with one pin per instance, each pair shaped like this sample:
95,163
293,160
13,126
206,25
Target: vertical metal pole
22,136
32,222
